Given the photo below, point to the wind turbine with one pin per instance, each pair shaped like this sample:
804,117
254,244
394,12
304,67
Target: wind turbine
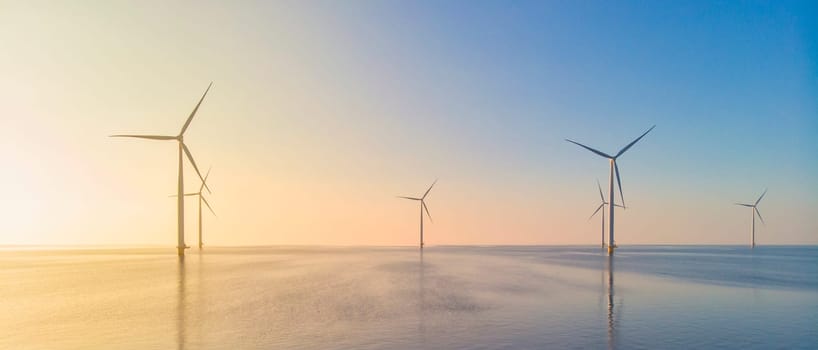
201,199
755,212
422,208
180,202
600,207
614,168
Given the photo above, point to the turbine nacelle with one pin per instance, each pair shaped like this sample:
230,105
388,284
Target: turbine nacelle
755,206
613,159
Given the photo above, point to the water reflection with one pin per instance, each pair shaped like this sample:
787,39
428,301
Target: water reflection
180,306
610,292
421,302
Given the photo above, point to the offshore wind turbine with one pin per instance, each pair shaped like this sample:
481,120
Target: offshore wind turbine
614,168
423,207
201,199
180,202
601,207
754,206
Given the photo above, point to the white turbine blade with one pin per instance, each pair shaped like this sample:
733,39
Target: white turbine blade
190,118
601,196
208,205
634,142
423,204
746,205
596,211
149,137
619,182
759,215
412,198
430,188
762,196
603,154
192,162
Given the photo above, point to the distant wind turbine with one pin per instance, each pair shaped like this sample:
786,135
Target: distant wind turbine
614,168
422,208
201,199
755,212
601,207
180,203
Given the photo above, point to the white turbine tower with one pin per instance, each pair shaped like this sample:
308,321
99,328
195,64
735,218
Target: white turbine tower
601,207
754,206
614,168
423,207
201,199
180,202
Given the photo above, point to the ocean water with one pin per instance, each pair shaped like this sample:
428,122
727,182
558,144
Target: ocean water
645,297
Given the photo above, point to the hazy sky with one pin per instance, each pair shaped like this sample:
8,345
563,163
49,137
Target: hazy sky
322,112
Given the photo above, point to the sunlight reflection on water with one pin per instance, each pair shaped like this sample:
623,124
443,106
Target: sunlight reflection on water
447,297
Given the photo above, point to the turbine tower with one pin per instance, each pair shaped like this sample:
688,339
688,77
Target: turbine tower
201,199
423,207
180,202
601,207
755,212
614,168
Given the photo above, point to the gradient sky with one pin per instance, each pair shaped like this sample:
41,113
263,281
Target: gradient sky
322,112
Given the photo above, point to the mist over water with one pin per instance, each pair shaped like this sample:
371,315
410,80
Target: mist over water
375,298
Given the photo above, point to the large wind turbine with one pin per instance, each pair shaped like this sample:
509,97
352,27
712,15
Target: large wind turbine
422,208
180,202
614,168
601,207
755,212
201,199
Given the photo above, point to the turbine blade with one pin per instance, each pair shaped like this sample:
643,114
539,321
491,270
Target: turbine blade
762,196
149,137
430,188
190,118
759,215
634,142
590,149
746,205
596,211
192,162
204,182
208,205
423,204
601,196
412,198
619,182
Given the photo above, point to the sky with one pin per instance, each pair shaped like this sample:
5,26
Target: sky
321,112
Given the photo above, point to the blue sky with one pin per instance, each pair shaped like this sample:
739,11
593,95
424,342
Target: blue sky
339,106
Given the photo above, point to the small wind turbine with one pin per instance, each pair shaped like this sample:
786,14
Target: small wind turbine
600,207
180,202
755,212
422,208
614,168
201,199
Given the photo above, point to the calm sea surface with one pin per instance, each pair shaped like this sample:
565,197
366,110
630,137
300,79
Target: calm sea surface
646,297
